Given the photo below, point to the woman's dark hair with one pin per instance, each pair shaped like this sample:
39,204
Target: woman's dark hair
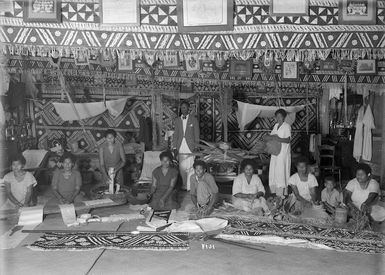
110,132
68,156
247,162
302,159
166,154
282,112
20,158
364,167
199,162
185,103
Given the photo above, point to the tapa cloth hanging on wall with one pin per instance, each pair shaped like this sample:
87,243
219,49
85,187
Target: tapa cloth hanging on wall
86,110
248,112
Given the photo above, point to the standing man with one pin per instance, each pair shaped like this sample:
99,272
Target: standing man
185,140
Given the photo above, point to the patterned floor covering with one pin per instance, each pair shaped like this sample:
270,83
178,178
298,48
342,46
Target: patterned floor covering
123,241
336,238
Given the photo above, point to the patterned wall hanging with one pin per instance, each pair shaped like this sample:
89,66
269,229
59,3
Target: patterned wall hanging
49,125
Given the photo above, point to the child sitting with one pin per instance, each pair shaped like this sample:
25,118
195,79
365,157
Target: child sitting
330,196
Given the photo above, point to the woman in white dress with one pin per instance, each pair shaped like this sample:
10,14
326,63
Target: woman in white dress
362,194
279,171
248,191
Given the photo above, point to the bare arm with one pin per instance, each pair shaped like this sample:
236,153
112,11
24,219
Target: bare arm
313,194
282,140
10,195
101,161
298,196
122,158
245,196
212,201
169,190
78,185
153,185
28,196
194,199
366,205
347,197
55,182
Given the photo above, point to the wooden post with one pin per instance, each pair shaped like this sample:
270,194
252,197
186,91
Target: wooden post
346,100
153,118
383,144
224,110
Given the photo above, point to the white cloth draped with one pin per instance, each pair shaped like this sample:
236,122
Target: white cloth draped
357,147
248,112
368,122
150,162
34,158
335,92
87,110
363,135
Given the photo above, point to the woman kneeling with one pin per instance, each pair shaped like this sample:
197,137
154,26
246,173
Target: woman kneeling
248,191
362,193
66,183
304,186
18,185
163,182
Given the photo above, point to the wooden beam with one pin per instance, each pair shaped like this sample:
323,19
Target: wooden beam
382,183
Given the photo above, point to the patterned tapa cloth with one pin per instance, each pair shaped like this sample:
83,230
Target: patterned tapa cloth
123,241
336,238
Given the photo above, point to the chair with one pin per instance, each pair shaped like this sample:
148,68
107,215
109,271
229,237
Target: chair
327,162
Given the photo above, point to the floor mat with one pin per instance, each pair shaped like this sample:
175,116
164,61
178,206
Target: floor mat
336,238
123,241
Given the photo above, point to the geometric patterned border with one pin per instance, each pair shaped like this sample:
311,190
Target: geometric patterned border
337,238
41,40
122,241
96,75
165,14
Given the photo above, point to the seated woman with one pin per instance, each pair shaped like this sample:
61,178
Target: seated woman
66,183
18,185
304,186
362,193
111,155
203,189
163,182
248,191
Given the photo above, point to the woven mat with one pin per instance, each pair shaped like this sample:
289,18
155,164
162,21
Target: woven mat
123,241
336,238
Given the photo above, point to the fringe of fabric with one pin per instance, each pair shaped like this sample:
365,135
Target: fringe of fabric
240,54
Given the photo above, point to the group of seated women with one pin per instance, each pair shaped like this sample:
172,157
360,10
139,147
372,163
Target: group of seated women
66,181
18,183
361,194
